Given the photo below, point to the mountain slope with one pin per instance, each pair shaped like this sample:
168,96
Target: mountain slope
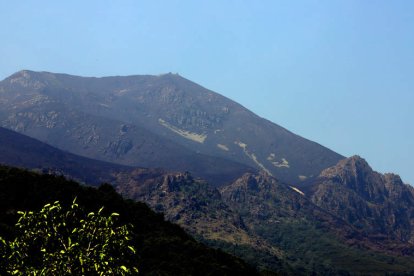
146,120
380,205
22,151
114,141
162,248
265,222
349,219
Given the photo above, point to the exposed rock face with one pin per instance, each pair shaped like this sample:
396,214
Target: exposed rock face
164,121
266,203
188,202
268,223
380,205
273,224
200,209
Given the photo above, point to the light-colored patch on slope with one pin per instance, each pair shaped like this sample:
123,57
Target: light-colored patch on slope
223,147
121,92
242,145
302,177
283,163
36,100
271,157
104,105
252,156
200,138
297,190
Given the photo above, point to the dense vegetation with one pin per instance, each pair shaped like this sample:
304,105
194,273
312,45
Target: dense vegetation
67,241
162,248
311,249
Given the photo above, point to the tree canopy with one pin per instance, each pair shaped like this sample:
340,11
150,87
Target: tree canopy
68,241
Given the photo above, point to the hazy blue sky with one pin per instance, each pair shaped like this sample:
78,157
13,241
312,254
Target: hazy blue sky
336,72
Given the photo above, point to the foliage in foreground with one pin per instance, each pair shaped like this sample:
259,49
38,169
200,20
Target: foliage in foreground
56,241
163,248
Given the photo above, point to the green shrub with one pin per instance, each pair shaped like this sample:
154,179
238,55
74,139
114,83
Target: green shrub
59,241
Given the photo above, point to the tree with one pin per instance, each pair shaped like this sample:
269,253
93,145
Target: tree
56,241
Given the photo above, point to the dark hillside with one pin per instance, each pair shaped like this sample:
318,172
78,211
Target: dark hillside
163,248
24,152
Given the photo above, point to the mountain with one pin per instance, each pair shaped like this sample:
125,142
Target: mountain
269,224
381,205
22,151
151,184
162,248
308,210
156,121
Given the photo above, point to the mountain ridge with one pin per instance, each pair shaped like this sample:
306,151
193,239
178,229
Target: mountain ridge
263,216
381,204
22,151
318,213
171,107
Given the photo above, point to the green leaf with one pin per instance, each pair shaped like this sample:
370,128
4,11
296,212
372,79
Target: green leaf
74,204
100,210
95,234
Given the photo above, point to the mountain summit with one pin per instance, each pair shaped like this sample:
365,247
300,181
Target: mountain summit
163,121
379,204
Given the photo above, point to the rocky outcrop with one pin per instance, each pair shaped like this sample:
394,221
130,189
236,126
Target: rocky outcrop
380,205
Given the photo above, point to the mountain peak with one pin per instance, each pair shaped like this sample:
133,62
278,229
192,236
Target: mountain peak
355,160
380,204
354,173
28,74
22,74
352,167
26,79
